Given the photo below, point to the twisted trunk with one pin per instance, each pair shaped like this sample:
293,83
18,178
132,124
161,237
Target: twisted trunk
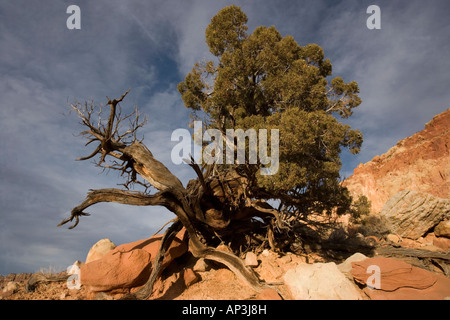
207,206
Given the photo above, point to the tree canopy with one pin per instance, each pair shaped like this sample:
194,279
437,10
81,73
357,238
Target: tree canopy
263,80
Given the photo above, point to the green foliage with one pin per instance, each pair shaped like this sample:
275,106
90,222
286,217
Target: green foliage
263,80
373,225
360,208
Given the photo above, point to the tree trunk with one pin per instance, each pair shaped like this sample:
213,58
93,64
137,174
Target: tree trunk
206,207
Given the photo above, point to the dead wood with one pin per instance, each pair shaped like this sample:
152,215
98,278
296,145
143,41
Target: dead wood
423,258
207,207
37,278
391,251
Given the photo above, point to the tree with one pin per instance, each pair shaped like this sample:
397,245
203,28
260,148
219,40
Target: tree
264,80
260,81
360,208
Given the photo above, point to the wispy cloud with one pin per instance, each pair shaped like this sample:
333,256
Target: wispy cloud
149,46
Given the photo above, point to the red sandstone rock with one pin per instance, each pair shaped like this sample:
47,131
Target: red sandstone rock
190,277
394,274
443,229
129,265
442,243
439,291
118,269
420,163
400,280
151,245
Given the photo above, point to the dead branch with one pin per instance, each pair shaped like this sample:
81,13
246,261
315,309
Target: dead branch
112,195
37,278
391,251
207,206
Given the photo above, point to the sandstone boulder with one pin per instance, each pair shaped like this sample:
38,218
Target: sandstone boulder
395,239
152,244
320,281
118,269
443,229
128,265
400,280
99,250
411,214
346,266
201,266
11,286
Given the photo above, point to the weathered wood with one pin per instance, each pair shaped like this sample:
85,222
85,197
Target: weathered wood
198,209
112,195
151,169
418,253
37,278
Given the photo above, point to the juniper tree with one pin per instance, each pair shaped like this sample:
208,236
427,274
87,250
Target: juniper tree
258,81
265,80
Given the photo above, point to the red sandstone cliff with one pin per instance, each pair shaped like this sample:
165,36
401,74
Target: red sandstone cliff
420,163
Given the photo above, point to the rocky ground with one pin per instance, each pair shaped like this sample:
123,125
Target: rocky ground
294,276
209,281
408,187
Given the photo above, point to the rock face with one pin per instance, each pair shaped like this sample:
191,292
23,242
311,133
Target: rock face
411,214
420,163
320,281
399,280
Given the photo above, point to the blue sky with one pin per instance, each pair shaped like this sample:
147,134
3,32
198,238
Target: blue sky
149,46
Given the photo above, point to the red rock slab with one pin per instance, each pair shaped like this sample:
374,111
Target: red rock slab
395,274
118,269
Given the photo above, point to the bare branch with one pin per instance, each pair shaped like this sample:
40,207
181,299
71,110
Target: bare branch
267,208
198,171
112,195
97,150
151,169
113,105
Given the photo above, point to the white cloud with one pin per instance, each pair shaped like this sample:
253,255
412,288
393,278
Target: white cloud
149,46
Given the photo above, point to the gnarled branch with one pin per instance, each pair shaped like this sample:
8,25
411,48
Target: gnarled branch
112,195
207,205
